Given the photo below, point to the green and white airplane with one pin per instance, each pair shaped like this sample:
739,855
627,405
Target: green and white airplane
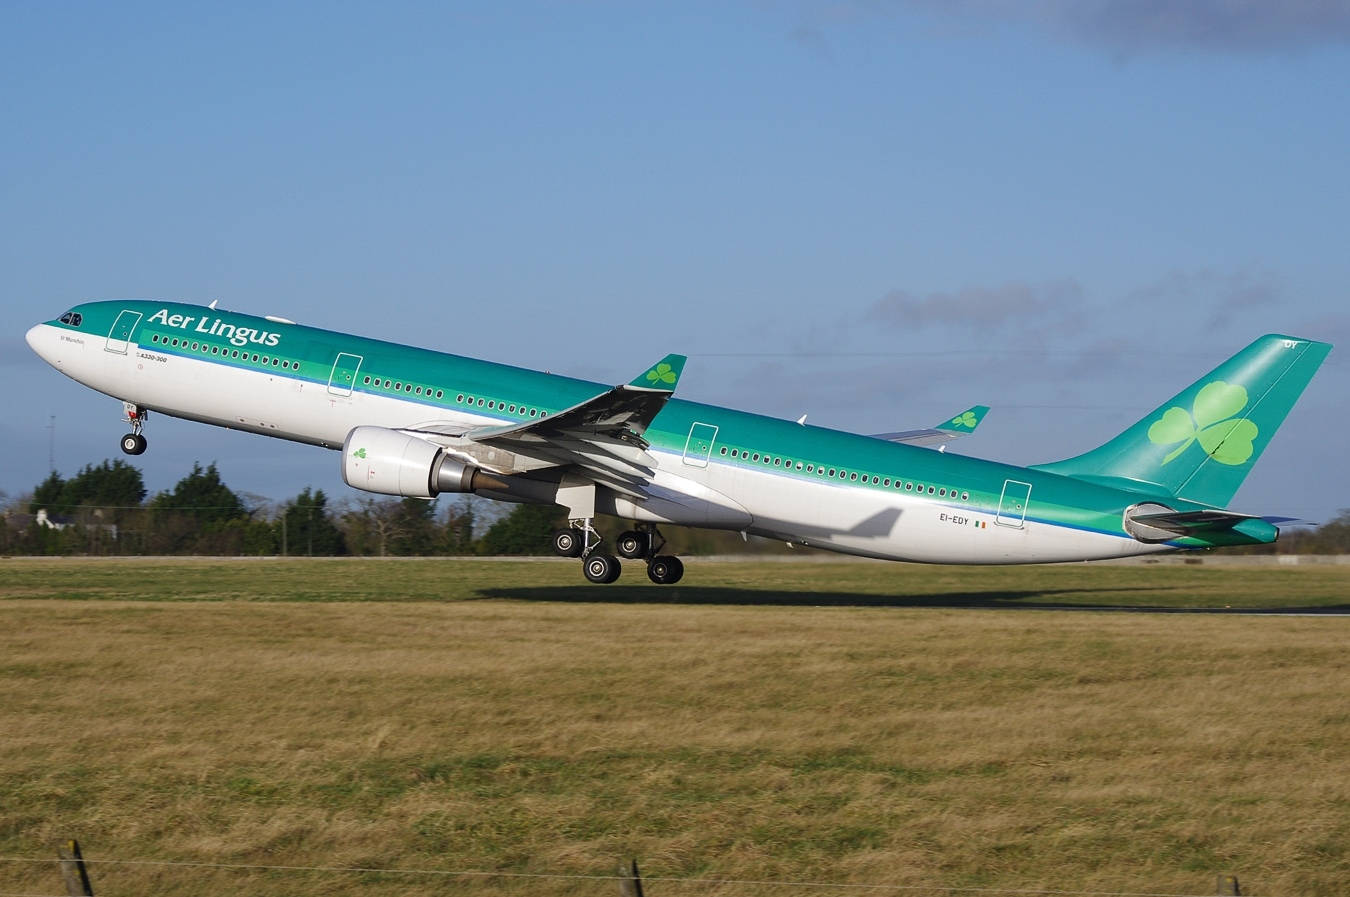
414,422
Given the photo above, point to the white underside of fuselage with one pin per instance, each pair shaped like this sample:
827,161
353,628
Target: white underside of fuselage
839,517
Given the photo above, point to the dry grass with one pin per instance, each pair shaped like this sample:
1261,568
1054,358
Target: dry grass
1107,752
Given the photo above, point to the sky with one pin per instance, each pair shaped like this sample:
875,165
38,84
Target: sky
874,213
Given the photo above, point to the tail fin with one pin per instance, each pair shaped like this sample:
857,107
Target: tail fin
1201,444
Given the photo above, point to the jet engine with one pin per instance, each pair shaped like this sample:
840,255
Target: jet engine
390,462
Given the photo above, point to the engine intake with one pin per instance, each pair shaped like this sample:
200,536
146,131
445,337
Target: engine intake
378,459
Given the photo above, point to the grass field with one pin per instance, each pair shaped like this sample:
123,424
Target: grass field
850,723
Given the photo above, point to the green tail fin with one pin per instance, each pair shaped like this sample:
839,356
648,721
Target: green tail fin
1201,444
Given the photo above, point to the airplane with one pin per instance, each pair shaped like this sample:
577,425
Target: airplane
414,422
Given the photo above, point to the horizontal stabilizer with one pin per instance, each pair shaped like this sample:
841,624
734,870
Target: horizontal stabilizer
1187,522
1153,522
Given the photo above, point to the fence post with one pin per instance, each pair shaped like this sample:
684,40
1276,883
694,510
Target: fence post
630,882
73,870
1228,886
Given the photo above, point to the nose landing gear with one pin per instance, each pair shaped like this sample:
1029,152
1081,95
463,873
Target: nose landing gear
134,443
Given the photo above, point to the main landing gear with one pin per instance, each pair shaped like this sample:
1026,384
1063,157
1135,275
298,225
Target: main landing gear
643,543
134,443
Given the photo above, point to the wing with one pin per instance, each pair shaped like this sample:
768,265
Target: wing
602,435
962,424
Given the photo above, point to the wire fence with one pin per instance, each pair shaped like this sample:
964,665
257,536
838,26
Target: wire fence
1227,884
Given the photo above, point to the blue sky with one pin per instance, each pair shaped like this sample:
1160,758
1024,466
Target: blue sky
875,213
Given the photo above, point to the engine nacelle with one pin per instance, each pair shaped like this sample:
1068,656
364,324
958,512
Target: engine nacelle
386,461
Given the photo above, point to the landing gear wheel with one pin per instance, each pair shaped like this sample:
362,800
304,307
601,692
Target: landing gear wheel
566,542
601,568
133,443
631,545
665,570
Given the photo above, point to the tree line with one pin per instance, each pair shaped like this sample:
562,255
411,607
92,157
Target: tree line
105,509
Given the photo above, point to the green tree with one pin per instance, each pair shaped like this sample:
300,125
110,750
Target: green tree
305,527
526,530
113,486
457,530
414,528
47,494
202,494
199,515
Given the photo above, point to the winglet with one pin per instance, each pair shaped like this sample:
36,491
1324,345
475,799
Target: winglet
660,377
966,421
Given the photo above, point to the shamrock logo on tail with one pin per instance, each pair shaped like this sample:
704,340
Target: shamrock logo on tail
966,419
1212,421
662,373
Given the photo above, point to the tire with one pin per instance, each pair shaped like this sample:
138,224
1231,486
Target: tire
601,569
665,570
567,543
631,545
133,443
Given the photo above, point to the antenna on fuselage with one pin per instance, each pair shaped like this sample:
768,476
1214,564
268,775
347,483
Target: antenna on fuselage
212,304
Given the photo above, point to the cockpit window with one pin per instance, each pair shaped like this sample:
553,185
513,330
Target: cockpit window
72,318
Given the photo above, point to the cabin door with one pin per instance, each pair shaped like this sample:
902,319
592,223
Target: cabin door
120,334
1012,507
699,445
343,376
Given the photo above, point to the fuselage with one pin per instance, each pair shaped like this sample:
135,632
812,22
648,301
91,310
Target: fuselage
730,469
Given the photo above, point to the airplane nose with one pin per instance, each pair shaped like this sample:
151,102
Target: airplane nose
37,341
